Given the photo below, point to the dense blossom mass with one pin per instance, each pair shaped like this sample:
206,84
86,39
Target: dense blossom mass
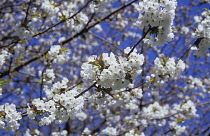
158,15
9,117
58,107
110,71
166,69
104,67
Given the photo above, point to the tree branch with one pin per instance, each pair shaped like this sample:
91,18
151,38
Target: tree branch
85,90
85,29
140,40
17,68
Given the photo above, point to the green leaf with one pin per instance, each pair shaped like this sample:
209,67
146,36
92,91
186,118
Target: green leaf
37,14
39,81
95,63
165,59
64,49
206,10
4,82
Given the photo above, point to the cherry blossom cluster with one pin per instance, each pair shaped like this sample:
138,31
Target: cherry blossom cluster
203,32
50,7
195,83
133,133
182,111
9,117
53,9
58,54
187,108
69,9
130,99
55,88
3,55
158,15
48,76
155,111
111,71
77,22
58,107
62,133
111,131
174,126
35,132
166,69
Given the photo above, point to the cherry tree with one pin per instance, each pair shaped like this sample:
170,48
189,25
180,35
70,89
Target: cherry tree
104,67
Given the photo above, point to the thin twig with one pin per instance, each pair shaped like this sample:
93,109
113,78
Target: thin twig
139,41
27,12
196,43
94,24
62,21
17,68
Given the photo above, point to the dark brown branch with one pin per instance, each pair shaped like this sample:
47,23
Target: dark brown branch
85,90
97,129
140,40
5,73
42,82
27,12
62,21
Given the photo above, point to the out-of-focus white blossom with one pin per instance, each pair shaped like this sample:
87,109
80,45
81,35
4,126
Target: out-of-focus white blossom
195,83
3,55
26,31
133,133
184,30
62,133
188,108
81,116
109,131
49,76
49,7
177,128
98,5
